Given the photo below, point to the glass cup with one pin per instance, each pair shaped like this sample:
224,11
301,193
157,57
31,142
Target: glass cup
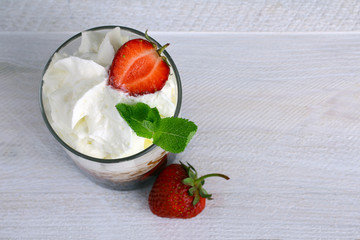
122,173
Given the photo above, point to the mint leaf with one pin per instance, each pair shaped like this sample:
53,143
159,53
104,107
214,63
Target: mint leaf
173,134
140,117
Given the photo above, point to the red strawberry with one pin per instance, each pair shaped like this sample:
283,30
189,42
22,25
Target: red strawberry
138,67
178,192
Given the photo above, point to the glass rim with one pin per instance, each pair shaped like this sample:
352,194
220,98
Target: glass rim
87,157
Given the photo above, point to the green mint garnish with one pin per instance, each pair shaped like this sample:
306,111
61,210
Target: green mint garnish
140,117
171,134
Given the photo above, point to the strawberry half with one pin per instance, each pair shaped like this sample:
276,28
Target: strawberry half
138,67
178,192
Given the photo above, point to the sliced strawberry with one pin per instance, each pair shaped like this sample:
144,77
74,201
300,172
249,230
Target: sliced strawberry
138,68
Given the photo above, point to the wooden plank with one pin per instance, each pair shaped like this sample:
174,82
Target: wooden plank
195,16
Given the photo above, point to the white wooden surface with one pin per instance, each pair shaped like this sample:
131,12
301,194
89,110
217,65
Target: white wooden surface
174,15
278,113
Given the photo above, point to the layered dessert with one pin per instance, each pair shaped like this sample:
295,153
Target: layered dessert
79,102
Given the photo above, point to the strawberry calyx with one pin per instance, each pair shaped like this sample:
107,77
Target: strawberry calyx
158,50
197,183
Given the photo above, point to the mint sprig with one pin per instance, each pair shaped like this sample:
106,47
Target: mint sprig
140,117
171,134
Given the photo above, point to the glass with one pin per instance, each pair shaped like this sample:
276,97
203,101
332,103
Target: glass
122,173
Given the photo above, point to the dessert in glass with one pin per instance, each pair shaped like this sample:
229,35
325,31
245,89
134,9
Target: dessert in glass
78,107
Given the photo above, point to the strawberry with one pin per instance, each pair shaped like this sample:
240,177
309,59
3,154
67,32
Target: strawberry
178,192
138,67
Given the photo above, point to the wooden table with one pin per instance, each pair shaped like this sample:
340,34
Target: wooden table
278,113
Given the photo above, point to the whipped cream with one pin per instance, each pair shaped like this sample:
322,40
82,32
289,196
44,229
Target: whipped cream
80,105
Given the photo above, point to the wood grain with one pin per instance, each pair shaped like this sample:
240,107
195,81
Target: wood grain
195,16
278,113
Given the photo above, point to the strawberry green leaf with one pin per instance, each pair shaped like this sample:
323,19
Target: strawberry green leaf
192,175
204,194
188,181
173,134
140,117
192,190
196,198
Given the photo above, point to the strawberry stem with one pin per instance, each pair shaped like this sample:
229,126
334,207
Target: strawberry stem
200,179
160,50
148,38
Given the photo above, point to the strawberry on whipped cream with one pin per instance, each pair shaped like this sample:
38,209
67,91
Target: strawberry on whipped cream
80,105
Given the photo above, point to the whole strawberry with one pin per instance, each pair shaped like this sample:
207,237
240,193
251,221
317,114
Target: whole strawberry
179,193
138,67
